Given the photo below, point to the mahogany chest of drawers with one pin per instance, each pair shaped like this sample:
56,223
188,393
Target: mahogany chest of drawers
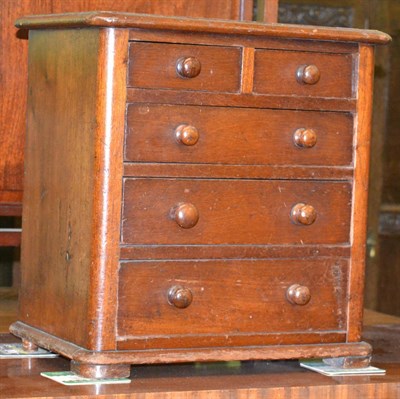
195,190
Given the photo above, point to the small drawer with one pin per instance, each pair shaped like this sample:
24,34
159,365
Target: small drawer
250,212
232,297
304,73
184,67
238,136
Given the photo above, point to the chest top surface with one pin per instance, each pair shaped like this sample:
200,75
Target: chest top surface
154,22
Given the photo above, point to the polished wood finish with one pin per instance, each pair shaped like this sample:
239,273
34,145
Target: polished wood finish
305,138
217,133
298,294
277,72
234,212
69,197
203,353
255,379
273,101
231,298
303,214
146,252
180,297
21,379
187,67
187,135
185,215
308,74
86,256
173,252
294,172
137,21
156,65
360,198
101,370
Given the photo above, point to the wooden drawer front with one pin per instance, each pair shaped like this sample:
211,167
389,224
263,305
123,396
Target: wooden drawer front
231,297
154,65
233,212
276,73
236,136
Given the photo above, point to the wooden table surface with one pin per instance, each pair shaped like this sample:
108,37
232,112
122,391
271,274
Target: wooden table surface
261,379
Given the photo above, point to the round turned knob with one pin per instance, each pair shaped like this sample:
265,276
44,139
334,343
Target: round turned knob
298,294
305,138
180,297
303,214
308,74
188,67
187,134
186,215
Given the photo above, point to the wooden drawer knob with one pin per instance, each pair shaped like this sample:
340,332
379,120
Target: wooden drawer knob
308,74
188,67
298,294
187,135
180,297
303,214
185,215
305,138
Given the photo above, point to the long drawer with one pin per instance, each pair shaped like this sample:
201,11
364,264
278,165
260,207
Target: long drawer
253,212
191,134
232,297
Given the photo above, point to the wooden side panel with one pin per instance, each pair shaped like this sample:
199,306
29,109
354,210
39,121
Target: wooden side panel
360,192
58,209
68,220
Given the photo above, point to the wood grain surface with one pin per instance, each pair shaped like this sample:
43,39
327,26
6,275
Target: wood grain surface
151,252
275,73
360,192
238,136
192,97
154,65
234,212
55,271
231,298
129,20
72,255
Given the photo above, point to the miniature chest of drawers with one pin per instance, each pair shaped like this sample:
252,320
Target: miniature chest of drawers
195,190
